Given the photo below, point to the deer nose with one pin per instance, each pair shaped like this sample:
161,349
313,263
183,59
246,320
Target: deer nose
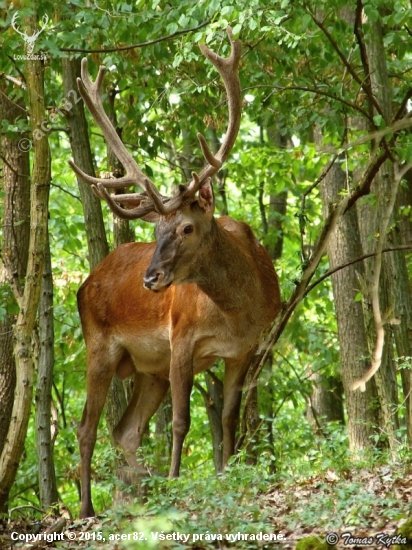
149,280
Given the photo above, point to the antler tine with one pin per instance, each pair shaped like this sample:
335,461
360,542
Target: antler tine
145,207
194,185
228,70
91,94
207,153
186,191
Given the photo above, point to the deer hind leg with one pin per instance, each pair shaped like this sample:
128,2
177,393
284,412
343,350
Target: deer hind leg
100,371
235,374
148,393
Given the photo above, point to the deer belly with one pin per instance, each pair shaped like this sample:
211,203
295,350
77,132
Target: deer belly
150,352
208,350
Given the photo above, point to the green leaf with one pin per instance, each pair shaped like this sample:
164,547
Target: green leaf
172,28
236,30
377,119
371,13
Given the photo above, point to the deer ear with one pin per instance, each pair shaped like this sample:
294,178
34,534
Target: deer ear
152,217
206,198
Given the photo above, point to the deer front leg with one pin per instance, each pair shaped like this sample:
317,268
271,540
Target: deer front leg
181,383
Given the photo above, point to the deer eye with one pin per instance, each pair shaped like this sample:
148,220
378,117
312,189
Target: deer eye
188,229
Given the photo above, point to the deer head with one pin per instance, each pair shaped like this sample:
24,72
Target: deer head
185,219
29,40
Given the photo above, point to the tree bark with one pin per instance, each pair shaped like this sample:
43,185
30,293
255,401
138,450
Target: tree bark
122,231
213,400
163,433
15,249
79,141
344,245
97,244
116,401
325,404
44,445
28,298
395,294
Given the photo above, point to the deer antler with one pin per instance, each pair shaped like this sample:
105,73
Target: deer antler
228,70
91,94
151,200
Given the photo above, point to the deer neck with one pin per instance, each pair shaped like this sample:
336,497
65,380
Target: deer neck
225,271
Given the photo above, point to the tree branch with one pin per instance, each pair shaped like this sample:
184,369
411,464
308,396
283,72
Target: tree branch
362,189
14,80
141,44
313,91
351,70
395,128
402,107
355,261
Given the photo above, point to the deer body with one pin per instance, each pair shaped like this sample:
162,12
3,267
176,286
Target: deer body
224,310
166,311
174,334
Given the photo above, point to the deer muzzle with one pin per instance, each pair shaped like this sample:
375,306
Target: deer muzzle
157,280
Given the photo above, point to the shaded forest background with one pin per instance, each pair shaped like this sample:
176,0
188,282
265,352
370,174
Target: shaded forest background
321,171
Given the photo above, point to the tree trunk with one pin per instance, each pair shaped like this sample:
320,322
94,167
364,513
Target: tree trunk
395,295
117,397
214,407
96,236
15,248
163,433
272,217
123,233
325,404
344,245
28,298
79,141
44,445
403,332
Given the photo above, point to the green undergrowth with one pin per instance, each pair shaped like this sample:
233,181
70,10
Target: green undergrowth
237,509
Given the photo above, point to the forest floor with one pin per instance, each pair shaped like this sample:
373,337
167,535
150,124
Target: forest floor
352,510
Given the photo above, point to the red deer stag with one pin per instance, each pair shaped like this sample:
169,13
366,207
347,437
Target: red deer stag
209,290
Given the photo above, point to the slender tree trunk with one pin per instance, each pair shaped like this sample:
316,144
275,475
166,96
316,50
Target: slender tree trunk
213,400
326,403
163,433
15,248
117,397
44,445
96,236
272,216
344,245
403,332
123,233
277,203
28,297
79,141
